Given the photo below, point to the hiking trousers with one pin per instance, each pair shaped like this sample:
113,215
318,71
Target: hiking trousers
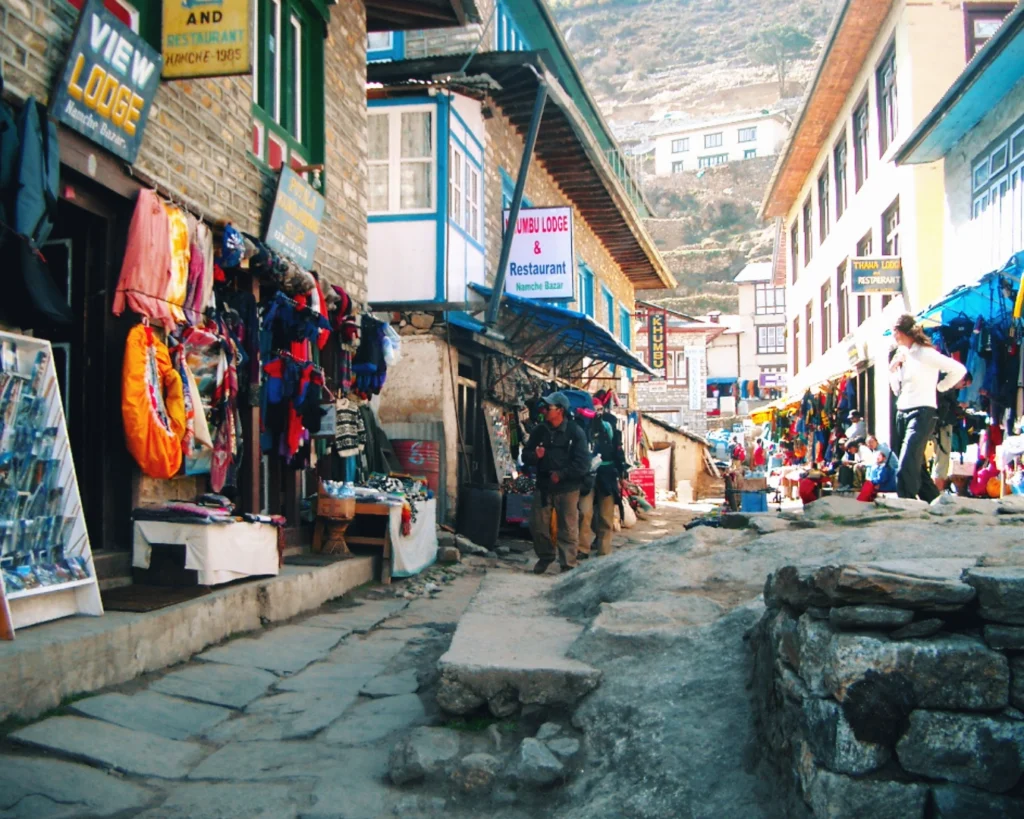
586,516
914,428
559,512
604,522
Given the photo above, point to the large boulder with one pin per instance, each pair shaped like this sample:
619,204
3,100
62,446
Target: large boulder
905,584
966,748
837,796
1000,592
535,765
952,672
815,638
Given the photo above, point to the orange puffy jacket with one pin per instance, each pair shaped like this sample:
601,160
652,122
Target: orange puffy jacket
152,404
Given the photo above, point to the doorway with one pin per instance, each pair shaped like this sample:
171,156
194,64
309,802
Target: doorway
83,254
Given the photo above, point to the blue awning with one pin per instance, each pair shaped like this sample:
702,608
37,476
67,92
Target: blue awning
721,382
543,332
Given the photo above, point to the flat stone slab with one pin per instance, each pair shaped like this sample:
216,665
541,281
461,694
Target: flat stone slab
260,761
493,654
391,685
284,650
215,683
359,619
1000,592
336,677
32,787
189,800
354,789
291,715
373,720
112,746
869,617
379,649
1005,637
153,713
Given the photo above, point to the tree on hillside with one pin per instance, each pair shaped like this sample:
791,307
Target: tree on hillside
778,46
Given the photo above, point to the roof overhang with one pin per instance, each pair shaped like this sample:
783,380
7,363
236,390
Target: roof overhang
566,145
989,77
849,41
411,15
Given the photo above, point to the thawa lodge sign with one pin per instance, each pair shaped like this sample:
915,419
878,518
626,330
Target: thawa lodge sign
108,83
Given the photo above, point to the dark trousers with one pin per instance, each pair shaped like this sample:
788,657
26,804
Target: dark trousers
914,428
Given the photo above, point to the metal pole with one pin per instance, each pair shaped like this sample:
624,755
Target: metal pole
517,201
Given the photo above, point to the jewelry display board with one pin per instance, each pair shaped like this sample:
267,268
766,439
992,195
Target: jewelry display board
498,433
46,561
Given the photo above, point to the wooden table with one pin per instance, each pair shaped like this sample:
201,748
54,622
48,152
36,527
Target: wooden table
370,511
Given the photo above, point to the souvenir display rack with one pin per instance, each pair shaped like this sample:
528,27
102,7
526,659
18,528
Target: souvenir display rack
45,555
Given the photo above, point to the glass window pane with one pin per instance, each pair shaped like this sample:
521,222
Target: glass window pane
378,41
416,185
379,188
378,128
416,136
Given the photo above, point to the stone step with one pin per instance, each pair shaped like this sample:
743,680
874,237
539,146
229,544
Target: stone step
511,649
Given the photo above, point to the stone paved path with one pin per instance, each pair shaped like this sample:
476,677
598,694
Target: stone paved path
294,722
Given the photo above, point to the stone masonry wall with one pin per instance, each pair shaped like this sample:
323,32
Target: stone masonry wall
660,395
198,137
895,690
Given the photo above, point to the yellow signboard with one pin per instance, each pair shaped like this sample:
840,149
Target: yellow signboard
206,38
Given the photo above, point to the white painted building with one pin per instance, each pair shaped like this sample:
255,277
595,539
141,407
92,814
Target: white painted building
762,312
688,146
840,195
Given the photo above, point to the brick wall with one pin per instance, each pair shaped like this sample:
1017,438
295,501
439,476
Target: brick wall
438,42
198,137
659,395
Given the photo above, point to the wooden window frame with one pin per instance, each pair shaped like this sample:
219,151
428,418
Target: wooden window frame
981,11
887,97
861,142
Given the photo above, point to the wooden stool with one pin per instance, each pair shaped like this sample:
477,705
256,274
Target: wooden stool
335,530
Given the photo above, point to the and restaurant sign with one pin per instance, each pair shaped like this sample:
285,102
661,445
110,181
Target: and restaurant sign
294,227
881,275
656,341
107,86
542,264
206,38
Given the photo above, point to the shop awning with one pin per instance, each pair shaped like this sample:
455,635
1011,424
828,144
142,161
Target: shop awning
990,297
408,15
544,334
720,382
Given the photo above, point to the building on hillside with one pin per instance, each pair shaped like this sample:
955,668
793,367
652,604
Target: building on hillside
762,309
677,393
689,146
977,131
841,198
214,147
448,143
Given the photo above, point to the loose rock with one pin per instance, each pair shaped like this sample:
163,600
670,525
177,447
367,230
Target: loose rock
476,773
448,554
535,764
964,748
549,730
468,547
424,752
869,617
564,747
1000,593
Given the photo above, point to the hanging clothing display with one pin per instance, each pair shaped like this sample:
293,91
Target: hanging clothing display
146,269
152,404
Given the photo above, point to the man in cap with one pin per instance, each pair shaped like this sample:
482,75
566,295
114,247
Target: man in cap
558,448
597,507
857,428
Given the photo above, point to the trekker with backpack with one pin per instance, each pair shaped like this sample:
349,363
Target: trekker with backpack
558,449
598,506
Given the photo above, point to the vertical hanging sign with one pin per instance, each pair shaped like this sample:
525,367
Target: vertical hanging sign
656,342
206,38
108,83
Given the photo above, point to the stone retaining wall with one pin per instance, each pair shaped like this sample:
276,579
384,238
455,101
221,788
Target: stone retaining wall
895,689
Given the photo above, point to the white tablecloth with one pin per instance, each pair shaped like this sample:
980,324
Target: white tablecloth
220,552
411,555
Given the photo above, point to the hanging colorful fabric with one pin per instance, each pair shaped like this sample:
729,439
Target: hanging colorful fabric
152,405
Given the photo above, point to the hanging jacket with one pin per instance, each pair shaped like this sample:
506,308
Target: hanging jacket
146,269
152,404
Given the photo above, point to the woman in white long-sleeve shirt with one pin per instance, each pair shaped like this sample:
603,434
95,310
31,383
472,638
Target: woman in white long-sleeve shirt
917,373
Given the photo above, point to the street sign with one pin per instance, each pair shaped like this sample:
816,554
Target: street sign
880,275
206,38
107,86
656,342
295,220
541,264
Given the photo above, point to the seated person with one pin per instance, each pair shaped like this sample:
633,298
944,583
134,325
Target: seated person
857,428
880,478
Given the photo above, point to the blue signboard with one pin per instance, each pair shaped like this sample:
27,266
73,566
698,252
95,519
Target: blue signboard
295,220
883,275
108,83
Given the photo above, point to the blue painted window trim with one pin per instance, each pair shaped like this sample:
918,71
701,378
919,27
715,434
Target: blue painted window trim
586,301
626,331
383,55
469,131
609,308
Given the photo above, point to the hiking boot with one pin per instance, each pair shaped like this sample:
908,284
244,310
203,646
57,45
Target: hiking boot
583,555
567,569
541,566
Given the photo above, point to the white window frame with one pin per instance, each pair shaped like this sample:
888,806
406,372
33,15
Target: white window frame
712,161
750,153
276,35
296,25
680,145
388,47
774,339
751,134
456,185
677,166
715,140
997,212
394,161
474,203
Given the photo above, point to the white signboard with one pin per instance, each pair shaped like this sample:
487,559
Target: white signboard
694,358
541,264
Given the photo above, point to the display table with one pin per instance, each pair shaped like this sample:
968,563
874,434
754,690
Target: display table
378,524
218,552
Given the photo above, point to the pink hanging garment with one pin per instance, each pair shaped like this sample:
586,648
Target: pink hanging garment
146,269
